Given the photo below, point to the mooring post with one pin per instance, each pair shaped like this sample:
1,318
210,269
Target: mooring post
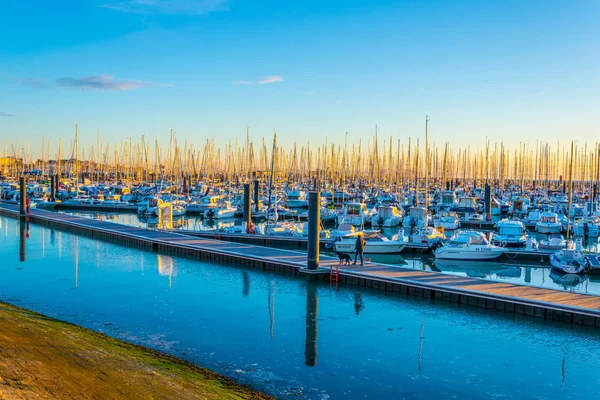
52,188
247,208
314,226
488,201
312,314
23,196
255,193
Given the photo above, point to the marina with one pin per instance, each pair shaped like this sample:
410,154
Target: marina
569,307
306,200
176,304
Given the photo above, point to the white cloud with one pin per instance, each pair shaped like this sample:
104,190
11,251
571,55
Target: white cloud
270,79
3,114
262,81
101,82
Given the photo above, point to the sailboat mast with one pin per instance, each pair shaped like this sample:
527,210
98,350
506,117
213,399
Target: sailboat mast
426,165
570,193
271,176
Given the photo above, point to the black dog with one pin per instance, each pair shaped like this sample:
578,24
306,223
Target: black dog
344,258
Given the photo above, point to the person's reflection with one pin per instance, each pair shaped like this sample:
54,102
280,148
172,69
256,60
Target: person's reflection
563,370
358,303
312,311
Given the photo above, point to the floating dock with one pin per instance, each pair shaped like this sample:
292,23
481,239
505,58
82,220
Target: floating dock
300,243
281,242
569,307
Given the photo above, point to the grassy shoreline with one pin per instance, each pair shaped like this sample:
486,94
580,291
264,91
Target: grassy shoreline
41,357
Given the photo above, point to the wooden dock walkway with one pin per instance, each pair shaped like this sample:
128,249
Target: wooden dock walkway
504,297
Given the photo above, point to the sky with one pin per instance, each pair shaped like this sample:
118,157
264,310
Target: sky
508,70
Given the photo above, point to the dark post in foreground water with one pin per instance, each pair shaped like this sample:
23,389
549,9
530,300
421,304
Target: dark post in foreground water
23,228
255,194
312,313
247,208
23,197
314,225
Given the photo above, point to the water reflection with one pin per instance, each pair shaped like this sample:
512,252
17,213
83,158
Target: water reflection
470,353
474,269
23,235
421,337
166,267
312,312
358,303
271,303
76,261
567,281
245,284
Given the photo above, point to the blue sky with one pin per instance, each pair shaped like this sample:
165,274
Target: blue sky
509,70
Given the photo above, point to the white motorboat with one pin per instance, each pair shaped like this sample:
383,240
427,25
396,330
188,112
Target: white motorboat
296,199
447,201
533,216
417,218
387,216
376,243
428,236
447,220
205,203
224,209
149,207
586,227
356,214
511,233
549,223
179,209
283,228
468,245
569,261
555,241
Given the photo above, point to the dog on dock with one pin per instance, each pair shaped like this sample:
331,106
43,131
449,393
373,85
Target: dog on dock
344,258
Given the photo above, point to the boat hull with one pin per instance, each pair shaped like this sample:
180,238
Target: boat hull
445,253
545,228
370,248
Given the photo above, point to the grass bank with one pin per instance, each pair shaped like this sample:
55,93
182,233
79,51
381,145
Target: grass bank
43,358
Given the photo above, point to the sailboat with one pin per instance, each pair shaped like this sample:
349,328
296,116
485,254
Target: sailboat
569,260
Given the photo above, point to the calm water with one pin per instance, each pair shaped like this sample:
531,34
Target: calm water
292,338
532,273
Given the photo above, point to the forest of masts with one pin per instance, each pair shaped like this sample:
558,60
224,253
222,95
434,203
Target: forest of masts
378,162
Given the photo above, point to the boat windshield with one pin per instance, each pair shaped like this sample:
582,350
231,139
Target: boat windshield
510,230
353,209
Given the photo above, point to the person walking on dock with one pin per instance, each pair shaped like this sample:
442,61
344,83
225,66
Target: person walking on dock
360,247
